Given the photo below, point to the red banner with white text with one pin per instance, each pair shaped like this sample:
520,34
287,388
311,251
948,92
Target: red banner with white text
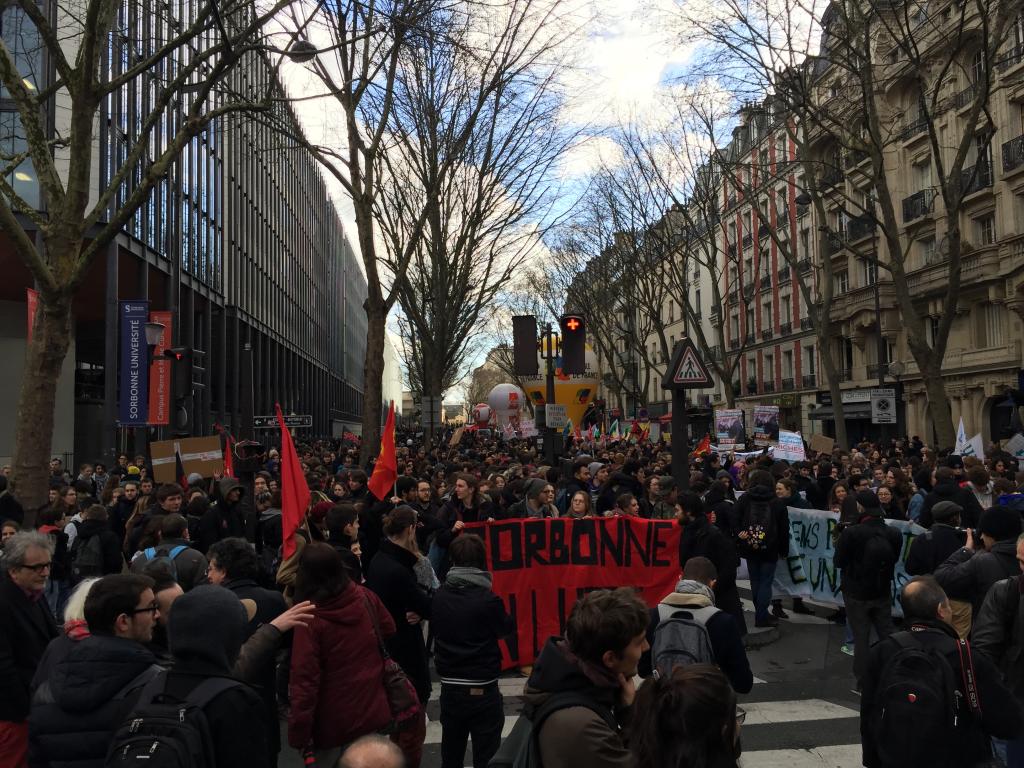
160,373
541,567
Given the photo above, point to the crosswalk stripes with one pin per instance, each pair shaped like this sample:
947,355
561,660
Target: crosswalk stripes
788,725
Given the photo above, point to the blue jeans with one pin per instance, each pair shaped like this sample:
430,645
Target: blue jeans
762,572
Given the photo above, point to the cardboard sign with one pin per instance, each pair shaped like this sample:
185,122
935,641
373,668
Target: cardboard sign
197,454
456,437
822,444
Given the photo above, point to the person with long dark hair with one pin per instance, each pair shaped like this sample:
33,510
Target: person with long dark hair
336,689
686,720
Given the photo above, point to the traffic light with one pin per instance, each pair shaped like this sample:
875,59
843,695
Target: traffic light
524,345
574,340
181,359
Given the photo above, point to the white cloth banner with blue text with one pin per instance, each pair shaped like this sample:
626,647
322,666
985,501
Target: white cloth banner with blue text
810,571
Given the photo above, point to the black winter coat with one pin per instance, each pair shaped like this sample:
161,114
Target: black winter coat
967,575
1001,714
26,628
930,550
857,582
467,623
113,560
998,631
618,484
952,492
702,539
391,576
91,691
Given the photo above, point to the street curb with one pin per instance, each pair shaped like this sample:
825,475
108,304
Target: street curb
761,638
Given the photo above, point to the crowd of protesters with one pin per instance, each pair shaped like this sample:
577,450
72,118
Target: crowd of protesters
119,591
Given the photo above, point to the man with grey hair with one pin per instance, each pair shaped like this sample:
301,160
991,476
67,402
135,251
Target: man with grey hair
26,628
372,751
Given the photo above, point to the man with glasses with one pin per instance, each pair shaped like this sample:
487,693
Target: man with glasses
93,688
26,627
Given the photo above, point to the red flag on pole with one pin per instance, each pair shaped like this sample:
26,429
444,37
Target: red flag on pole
294,490
385,471
229,457
704,446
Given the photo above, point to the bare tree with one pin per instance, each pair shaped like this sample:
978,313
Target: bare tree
185,68
863,82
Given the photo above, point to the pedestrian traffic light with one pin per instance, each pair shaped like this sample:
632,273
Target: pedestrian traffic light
524,345
574,344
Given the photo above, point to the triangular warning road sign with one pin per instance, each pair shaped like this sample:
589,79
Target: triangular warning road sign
687,370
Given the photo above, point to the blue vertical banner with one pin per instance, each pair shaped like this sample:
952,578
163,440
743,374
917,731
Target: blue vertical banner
134,399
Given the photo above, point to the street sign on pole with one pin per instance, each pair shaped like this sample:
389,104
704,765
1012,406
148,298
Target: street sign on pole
883,406
292,422
556,416
686,370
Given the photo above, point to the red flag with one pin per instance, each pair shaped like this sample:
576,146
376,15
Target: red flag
385,471
229,457
704,446
294,490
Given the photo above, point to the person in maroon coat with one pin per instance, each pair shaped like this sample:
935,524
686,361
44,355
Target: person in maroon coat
336,688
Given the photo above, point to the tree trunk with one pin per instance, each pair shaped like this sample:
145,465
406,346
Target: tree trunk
33,431
373,378
831,374
939,407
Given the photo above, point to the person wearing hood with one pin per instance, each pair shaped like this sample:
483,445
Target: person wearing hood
923,479
536,504
625,481
468,620
967,574
205,632
694,599
703,539
336,691
94,525
761,529
867,553
224,519
947,488
606,635
92,690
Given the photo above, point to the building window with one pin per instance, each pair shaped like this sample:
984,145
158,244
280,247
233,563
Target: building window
766,316
769,367
671,311
928,250
870,271
787,309
990,322
696,302
734,326
805,244
808,360
750,319
787,364
842,282
986,227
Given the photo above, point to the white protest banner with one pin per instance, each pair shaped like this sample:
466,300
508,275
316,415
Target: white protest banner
790,447
810,572
976,447
961,439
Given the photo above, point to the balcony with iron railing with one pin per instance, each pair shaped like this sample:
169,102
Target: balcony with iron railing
750,338
767,333
845,374
804,265
782,215
806,324
752,387
715,353
1013,154
917,205
784,275
1011,58
965,97
748,291
876,370
976,178
734,343
802,210
748,240
830,178
730,248
911,130
834,242
810,380
768,386
763,230
855,157
788,384
859,227
766,282
785,328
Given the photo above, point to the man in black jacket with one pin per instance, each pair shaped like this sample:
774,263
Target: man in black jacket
968,574
225,518
189,565
927,611
948,489
468,620
867,553
26,627
94,525
235,566
693,598
761,529
92,690
702,539
930,550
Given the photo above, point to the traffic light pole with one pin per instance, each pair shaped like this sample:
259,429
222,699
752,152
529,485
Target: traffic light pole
549,395
680,441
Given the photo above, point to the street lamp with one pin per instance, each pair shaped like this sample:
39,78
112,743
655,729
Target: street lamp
154,332
302,51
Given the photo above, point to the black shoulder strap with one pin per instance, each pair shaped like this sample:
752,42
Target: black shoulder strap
209,689
143,678
904,639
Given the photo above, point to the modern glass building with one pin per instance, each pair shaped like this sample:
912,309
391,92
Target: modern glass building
240,242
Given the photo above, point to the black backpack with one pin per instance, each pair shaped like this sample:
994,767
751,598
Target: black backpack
522,747
166,732
758,520
877,561
917,694
86,558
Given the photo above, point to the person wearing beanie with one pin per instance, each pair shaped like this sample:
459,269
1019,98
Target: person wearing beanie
535,503
866,554
205,632
969,572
